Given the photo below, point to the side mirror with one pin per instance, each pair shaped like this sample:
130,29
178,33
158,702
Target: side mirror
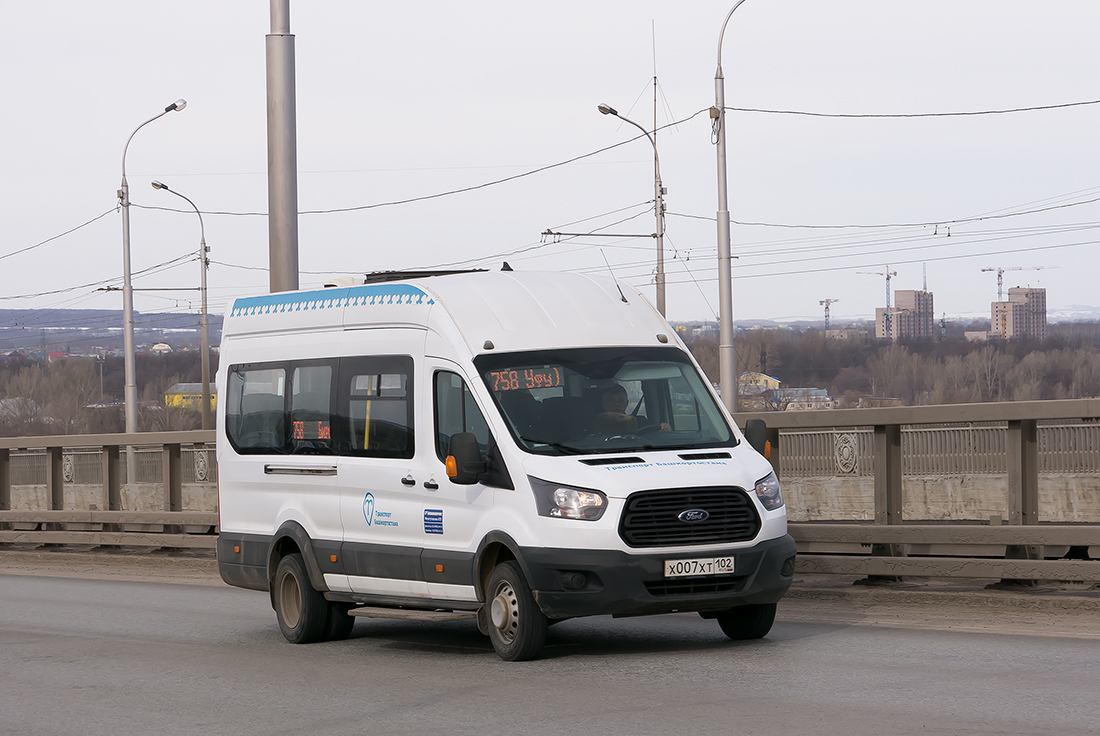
464,463
756,432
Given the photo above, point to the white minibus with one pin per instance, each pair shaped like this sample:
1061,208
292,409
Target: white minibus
515,448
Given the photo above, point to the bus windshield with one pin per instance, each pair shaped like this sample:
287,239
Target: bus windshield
599,400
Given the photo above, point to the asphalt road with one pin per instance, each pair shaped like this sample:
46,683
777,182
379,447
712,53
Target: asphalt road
118,657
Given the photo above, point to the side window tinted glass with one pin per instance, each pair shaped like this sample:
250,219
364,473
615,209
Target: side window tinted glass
311,409
376,405
455,412
255,416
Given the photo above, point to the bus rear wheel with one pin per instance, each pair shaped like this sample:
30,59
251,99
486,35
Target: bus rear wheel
302,611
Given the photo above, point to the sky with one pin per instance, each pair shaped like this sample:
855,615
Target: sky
407,100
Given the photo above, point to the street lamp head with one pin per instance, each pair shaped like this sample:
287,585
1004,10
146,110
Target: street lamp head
158,185
608,110
177,106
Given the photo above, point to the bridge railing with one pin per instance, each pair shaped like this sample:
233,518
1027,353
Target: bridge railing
1017,439
957,439
147,510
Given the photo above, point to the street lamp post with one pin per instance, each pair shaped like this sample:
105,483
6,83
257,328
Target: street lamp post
203,322
727,366
658,206
130,391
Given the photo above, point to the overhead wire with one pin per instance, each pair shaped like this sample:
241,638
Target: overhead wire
996,214
55,237
965,113
878,262
926,223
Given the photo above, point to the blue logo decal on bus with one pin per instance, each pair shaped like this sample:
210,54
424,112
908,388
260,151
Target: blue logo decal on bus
368,508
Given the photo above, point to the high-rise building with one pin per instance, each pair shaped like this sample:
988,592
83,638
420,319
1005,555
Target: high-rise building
913,317
1023,316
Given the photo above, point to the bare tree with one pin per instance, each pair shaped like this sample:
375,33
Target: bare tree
73,385
24,393
987,368
894,372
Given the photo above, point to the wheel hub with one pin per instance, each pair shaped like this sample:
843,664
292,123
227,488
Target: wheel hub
504,612
290,599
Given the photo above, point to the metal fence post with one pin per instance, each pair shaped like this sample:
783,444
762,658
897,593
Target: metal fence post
1022,450
173,477
888,493
112,477
5,482
55,478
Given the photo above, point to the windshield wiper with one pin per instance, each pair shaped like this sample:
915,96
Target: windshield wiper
569,450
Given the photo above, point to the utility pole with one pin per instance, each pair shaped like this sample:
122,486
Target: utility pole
282,152
727,364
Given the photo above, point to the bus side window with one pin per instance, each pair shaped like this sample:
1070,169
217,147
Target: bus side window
456,412
311,409
256,411
376,407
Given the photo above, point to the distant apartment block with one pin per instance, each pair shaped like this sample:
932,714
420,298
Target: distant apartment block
913,316
1023,316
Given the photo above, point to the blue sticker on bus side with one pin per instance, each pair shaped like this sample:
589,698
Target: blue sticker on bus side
433,521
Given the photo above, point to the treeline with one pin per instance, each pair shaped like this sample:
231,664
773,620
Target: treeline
69,396
919,372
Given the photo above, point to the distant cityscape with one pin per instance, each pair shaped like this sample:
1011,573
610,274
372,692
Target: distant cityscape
51,333
1023,316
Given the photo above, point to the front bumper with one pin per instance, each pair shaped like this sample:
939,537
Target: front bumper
624,584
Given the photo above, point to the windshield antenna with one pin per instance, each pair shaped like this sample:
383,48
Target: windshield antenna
621,296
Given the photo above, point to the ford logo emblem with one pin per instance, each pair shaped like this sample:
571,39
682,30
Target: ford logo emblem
693,515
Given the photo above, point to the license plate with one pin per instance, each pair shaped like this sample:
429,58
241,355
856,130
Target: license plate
698,566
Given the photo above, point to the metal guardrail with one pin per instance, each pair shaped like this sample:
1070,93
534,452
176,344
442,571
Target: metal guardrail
889,547
942,550
1022,549
169,527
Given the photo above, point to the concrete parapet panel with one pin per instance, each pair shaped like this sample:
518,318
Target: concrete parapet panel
1063,498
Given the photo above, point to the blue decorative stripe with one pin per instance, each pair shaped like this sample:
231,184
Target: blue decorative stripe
356,296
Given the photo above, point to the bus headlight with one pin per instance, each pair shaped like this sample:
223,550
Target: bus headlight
567,502
767,490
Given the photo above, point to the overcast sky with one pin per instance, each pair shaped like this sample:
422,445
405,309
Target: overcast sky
402,100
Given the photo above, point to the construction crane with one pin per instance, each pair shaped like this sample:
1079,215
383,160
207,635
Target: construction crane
1001,272
888,274
827,302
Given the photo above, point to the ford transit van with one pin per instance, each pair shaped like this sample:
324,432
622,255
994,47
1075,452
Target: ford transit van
514,448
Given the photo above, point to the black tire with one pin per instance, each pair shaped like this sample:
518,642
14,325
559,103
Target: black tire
302,611
339,624
747,622
517,627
